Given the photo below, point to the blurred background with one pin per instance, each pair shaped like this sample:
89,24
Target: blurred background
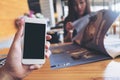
53,10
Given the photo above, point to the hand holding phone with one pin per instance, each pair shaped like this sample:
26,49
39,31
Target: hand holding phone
34,41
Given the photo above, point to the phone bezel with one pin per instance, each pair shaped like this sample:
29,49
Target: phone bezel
33,61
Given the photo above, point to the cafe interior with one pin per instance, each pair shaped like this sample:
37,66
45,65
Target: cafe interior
55,11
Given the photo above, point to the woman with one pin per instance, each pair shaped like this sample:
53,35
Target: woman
77,9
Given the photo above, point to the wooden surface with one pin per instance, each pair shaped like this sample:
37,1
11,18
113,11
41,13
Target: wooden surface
101,70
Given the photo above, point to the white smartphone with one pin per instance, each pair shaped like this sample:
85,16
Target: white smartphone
34,41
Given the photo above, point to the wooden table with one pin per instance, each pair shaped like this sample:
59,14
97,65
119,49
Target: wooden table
93,71
102,70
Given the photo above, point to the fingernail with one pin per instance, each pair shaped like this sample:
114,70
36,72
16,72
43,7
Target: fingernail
32,67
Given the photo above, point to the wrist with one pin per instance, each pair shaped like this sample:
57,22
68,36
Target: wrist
4,75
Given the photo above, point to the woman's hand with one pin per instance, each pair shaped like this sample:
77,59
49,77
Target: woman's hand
69,27
13,67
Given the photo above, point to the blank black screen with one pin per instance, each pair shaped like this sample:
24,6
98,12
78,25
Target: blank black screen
34,41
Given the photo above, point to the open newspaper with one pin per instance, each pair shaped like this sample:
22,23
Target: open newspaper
90,44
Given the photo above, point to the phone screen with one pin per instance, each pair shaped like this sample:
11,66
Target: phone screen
34,41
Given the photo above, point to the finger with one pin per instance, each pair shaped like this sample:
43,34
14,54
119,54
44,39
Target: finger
35,66
70,25
47,54
22,21
47,45
48,37
19,34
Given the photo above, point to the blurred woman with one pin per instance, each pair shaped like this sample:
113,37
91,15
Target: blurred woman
77,9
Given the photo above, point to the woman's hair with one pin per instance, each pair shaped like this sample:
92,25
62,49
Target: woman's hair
72,13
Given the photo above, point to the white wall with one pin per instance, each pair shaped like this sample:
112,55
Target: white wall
48,10
59,9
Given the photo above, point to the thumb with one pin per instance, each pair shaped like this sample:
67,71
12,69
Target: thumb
35,66
18,34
